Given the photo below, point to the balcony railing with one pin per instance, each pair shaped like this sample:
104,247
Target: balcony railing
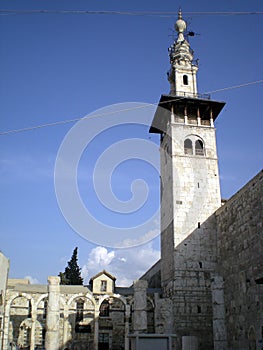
189,94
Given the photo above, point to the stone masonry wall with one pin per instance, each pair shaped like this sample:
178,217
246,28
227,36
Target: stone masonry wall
190,290
240,251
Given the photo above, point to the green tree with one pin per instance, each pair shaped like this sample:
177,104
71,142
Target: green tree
72,273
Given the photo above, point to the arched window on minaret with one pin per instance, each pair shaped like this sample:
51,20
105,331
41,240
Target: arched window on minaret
199,148
185,79
188,146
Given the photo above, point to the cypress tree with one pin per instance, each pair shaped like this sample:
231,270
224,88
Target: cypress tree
72,273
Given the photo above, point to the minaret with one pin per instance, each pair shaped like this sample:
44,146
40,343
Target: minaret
190,189
182,75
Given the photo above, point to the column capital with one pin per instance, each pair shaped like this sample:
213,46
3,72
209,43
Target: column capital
53,280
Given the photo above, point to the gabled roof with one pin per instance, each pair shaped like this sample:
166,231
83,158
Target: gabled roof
104,272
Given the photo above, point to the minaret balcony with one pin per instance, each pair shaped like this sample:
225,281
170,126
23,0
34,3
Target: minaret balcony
191,121
190,94
198,110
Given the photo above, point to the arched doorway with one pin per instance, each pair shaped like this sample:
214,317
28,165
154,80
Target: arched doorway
80,324
111,324
20,321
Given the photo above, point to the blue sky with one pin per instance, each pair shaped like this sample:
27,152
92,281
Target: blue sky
56,67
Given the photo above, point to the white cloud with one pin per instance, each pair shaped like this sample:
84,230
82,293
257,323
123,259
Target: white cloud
99,258
32,280
126,265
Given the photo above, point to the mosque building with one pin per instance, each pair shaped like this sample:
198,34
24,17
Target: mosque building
206,291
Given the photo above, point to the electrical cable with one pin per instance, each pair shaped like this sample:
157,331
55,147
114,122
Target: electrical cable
129,13
119,111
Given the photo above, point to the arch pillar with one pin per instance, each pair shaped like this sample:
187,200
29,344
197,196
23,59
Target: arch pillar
65,326
96,327
140,306
52,321
7,322
33,330
127,328
6,330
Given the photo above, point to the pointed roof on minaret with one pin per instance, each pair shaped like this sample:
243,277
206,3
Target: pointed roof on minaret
181,59
182,50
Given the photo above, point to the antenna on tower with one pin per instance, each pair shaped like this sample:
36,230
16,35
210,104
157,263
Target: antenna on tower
190,33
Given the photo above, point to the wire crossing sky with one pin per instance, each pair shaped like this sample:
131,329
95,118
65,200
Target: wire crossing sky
62,66
126,13
105,114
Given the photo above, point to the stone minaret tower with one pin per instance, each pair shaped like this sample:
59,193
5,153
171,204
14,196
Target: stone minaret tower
190,190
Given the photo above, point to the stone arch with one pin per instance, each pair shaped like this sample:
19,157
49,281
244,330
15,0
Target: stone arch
104,309
26,317
116,296
188,146
20,295
79,323
9,302
43,296
199,147
25,329
113,326
194,145
79,296
24,334
41,315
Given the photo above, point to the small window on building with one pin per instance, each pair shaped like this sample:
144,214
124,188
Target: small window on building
105,308
185,80
103,286
188,146
199,148
79,310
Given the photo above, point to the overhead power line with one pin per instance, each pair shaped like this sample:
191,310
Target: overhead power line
67,121
129,13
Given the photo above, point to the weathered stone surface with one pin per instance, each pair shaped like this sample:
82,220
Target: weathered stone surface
140,306
53,315
189,343
240,247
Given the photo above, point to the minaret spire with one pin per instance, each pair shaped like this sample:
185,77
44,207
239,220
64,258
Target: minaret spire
182,75
180,26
